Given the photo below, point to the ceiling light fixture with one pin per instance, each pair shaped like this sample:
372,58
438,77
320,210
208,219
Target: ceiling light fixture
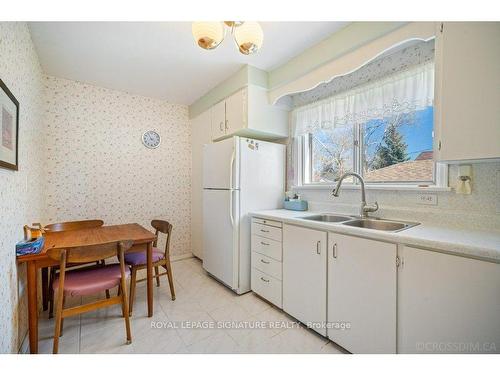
247,35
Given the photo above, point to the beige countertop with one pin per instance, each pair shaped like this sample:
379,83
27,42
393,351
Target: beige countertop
471,243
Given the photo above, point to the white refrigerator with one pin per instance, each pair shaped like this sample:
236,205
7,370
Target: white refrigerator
240,175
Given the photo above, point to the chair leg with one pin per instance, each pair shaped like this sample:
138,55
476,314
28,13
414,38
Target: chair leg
108,296
58,326
125,309
133,279
62,319
45,288
168,267
157,272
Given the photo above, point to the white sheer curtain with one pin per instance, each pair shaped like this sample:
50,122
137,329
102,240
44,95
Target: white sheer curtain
402,92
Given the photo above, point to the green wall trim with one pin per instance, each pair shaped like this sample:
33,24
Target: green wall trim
243,77
343,41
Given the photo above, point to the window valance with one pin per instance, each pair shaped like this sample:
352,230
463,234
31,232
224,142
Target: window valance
402,92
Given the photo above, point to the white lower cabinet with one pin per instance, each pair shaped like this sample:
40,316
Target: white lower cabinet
447,303
266,260
361,294
304,275
266,286
370,296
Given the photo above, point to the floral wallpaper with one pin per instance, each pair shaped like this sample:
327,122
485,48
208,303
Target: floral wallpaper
21,192
97,166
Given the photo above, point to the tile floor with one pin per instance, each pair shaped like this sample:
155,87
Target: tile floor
190,324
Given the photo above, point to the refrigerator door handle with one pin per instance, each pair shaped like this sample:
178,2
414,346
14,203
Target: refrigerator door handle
231,170
231,207
231,191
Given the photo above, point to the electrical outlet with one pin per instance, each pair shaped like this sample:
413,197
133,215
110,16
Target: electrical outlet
427,199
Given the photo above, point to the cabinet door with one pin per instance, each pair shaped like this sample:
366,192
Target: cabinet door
236,112
304,275
467,91
447,304
362,293
219,120
200,135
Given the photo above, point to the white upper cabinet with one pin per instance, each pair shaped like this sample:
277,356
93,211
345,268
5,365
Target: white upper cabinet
236,112
304,275
467,91
218,114
247,113
362,292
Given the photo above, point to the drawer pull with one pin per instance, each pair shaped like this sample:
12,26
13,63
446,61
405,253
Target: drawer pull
265,280
264,261
264,243
264,231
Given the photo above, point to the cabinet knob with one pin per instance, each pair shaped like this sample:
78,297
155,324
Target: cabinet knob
265,280
264,261
318,247
227,126
220,126
334,252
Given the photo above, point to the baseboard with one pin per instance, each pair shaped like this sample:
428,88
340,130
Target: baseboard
24,349
176,258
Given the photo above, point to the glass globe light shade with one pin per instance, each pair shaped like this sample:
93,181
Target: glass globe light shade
208,35
249,37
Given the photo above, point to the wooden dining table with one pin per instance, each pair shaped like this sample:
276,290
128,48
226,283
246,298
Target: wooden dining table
142,238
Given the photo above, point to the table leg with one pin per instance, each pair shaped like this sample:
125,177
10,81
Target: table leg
45,288
149,276
32,308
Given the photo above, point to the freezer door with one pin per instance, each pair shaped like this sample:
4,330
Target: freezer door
220,235
220,164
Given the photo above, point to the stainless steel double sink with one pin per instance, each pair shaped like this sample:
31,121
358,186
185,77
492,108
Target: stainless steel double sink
367,223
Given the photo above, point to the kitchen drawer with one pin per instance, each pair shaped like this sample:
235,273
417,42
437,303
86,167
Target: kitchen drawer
267,265
266,231
273,223
267,287
267,247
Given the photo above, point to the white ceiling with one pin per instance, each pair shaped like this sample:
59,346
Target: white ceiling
161,59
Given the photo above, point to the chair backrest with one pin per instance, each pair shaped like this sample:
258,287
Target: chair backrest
163,227
89,253
73,225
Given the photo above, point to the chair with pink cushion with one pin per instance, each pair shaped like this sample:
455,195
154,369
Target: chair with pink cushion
90,281
137,260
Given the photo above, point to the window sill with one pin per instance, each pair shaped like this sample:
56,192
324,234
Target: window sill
420,189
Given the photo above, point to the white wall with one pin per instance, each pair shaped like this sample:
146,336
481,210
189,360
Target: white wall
21,192
97,166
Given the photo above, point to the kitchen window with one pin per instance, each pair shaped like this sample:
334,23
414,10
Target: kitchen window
382,130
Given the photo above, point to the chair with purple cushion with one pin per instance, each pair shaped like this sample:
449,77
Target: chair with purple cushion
137,260
90,281
62,227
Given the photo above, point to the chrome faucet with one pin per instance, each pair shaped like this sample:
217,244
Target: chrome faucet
365,208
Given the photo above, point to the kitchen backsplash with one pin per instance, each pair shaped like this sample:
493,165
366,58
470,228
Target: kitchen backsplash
479,210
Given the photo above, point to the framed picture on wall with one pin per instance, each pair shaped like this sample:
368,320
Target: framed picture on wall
9,128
